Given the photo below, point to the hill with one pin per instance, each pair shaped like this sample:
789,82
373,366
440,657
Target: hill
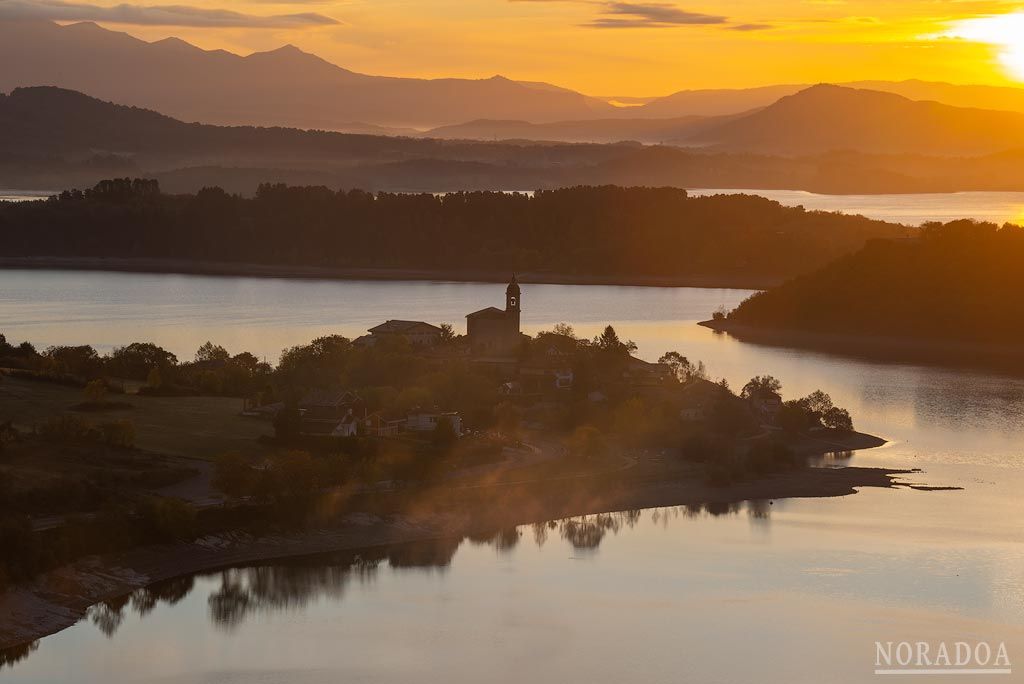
827,118
594,130
718,102
283,87
958,282
54,138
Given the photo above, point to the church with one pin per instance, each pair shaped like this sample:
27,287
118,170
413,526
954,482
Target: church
494,333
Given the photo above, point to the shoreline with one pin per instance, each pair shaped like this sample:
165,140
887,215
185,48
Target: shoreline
60,598
943,353
242,269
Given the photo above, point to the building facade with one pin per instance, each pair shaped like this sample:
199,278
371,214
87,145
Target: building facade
493,332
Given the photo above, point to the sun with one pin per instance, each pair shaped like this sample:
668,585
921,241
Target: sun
1012,57
1005,31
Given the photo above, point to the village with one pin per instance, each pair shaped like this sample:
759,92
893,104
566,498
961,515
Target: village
539,377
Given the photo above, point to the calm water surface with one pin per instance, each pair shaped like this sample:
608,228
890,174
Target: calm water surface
910,209
796,591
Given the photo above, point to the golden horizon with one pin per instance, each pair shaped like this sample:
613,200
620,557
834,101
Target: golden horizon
612,49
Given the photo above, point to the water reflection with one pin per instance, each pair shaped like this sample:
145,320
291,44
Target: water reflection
242,594
11,656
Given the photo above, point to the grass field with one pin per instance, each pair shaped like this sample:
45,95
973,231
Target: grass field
192,427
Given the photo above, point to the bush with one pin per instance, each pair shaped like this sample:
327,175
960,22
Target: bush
70,428
164,519
232,475
64,428
118,433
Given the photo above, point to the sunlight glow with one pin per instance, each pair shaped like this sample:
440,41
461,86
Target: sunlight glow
1005,31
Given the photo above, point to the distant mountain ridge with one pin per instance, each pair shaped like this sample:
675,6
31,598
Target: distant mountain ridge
56,138
291,88
829,118
283,87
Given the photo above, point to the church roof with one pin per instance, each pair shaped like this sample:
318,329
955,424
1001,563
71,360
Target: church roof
489,312
398,326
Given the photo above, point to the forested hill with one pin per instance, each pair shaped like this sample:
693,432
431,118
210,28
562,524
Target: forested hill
958,282
585,232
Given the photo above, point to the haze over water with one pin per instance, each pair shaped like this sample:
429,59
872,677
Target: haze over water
911,209
796,591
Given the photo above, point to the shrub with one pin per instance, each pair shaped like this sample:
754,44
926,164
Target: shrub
118,433
232,475
165,519
64,428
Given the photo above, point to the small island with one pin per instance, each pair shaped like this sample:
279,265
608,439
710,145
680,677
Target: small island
124,469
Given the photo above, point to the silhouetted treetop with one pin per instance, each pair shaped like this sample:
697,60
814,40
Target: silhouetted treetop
960,281
587,231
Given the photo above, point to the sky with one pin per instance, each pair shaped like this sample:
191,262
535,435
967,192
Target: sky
600,47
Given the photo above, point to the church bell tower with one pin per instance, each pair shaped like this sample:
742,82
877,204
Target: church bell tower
513,303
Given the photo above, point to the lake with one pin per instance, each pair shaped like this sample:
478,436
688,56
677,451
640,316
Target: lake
910,209
792,591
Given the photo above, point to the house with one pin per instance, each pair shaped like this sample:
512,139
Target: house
346,426
417,333
330,404
494,333
698,398
379,425
426,421
639,373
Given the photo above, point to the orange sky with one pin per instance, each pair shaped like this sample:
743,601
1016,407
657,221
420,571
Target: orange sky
637,48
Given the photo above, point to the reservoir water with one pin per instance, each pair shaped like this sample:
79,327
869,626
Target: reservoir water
782,593
910,209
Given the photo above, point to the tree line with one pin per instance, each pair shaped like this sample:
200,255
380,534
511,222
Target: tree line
957,282
606,231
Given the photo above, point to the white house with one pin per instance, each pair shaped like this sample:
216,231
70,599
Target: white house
426,421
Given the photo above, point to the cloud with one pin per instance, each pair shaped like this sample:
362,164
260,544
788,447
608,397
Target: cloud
751,27
155,15
649,15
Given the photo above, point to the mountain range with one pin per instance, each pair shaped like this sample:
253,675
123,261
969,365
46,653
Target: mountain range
57,138
283,87
815,120
292,88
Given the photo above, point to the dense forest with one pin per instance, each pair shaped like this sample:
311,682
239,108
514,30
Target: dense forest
608,232
957,282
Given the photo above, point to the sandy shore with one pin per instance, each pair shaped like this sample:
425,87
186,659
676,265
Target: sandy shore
737,281
60,598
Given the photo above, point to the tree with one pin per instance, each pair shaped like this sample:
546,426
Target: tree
679,364
564,330
817,404
587,443
96,392
155,378
447,333
793,417
211,352
837,419
760,385
232,475
608,341
82,361
136,359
